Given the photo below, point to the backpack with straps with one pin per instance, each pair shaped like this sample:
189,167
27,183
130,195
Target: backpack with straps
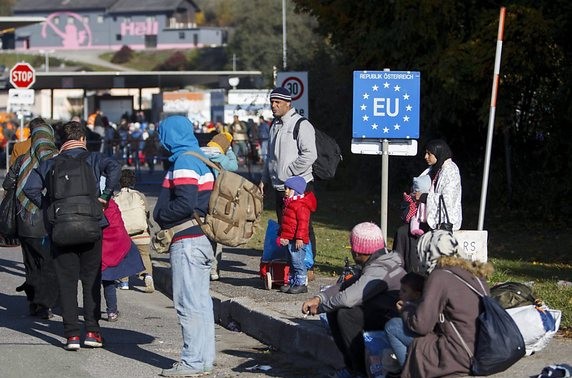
133,212
235,207
499,343
74,210
329,153
513,294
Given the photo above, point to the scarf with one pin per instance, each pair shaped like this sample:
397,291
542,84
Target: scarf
71,144
42,148
287,200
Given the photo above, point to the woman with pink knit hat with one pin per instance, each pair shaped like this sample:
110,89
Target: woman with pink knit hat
364,302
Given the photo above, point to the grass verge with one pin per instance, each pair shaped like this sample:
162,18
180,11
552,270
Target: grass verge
522,254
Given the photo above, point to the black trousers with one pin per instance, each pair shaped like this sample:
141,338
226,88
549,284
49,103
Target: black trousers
406,245
347,326
279,196
41,282
81,262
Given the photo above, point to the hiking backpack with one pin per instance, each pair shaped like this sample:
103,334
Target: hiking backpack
74,210
133,211
513,294
329,153
235,207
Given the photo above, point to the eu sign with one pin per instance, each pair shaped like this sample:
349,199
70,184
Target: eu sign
386,104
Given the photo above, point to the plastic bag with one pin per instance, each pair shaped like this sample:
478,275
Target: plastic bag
8,227
273,251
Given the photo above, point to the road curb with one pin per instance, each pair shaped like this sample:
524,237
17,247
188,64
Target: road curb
261,322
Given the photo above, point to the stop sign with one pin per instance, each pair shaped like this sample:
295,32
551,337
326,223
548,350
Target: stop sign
22,75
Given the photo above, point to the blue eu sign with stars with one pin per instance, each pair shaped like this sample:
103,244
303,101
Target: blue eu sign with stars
386,104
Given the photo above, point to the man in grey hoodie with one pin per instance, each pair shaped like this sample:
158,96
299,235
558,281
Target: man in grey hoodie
289,156
364,302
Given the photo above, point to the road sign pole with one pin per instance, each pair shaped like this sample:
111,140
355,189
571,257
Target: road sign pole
384,186
21,117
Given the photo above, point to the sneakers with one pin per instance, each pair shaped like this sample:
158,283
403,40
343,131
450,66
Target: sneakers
149,284
123,285
112,316
44,313
181,370
72,343
284,288
298,289
93,339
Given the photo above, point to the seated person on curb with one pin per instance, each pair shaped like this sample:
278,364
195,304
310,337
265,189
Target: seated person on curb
398,335
364,302
436,351
295,231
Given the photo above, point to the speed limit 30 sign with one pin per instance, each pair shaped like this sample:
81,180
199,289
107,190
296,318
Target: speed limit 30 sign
297,84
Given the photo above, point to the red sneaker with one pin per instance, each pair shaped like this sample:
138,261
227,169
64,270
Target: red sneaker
93,339
72,343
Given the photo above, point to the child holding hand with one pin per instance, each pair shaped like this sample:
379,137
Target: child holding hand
295,231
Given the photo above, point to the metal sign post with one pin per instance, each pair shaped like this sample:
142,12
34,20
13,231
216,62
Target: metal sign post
385,114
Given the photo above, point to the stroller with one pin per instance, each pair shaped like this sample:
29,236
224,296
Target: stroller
274,266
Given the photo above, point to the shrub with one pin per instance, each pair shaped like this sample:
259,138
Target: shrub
122,55
176,62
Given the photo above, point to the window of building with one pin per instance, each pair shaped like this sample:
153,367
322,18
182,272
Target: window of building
181,35
100,19
56,20
127,19
85,19
118,37
70,20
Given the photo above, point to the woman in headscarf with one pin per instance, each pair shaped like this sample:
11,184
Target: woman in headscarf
41,284
437,351
446,183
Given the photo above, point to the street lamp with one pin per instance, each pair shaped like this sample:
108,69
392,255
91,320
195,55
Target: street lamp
233,82
46,53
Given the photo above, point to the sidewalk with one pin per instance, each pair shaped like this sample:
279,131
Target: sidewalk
275,318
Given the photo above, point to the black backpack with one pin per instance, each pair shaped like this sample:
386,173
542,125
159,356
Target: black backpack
499,343
74,210
329,153
513,294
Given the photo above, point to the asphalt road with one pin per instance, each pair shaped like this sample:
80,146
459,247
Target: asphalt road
146,339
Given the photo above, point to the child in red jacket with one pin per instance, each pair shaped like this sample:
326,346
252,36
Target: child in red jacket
294,231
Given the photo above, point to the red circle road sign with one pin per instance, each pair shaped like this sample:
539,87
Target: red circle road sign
22,75
295,86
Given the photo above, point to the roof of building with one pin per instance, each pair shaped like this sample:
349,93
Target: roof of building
7,23
36,6
138,79
112,6
130,6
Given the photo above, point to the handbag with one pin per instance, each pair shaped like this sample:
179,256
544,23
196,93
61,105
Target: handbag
446,224
8,226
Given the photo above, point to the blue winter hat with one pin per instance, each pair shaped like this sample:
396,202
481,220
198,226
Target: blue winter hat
281,93
296,183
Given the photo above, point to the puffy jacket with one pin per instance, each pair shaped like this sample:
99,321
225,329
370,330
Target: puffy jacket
296,217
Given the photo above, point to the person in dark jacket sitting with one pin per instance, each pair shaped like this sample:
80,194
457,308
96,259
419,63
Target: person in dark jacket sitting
364,302
81,261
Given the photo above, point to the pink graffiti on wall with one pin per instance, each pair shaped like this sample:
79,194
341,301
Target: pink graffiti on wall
74,34
139,28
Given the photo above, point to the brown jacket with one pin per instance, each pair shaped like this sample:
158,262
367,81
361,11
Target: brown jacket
438,352
20,148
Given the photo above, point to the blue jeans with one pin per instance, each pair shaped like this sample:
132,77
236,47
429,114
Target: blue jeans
298,269
110,295
191,261
399,337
